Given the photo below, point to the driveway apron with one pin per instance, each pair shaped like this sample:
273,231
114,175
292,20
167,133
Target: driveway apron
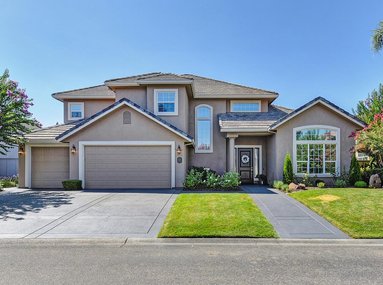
290,218
84,214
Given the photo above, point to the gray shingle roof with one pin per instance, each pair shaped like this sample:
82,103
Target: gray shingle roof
253,119
95,116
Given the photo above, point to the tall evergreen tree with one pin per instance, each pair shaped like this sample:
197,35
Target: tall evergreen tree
288,174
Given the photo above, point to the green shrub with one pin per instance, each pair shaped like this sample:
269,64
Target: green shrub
72,184
321,184
193,179
204,170
360,184
288,174
344,175
308,180
354,173
230,180
277,184
9,181
285,187
340,183
212,180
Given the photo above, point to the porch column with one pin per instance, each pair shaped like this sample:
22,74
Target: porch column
232,138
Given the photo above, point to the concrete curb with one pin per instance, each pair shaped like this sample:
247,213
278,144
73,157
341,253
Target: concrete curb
192,241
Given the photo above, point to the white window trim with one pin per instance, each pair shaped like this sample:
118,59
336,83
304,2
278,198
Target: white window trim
156,112
70,113
232,102
81,154
336,142
196,129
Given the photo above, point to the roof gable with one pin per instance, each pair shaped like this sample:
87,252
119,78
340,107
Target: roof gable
323,101
115,106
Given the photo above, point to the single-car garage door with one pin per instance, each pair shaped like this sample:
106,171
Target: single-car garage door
127,167
50,166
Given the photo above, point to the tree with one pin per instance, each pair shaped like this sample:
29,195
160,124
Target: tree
354,174
370,140
377,38
367,109
15,119
288,174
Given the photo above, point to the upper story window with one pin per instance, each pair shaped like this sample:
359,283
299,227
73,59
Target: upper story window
316,150
245,106
166,101
204,128
75,110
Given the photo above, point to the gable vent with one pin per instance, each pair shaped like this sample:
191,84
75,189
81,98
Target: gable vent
126,118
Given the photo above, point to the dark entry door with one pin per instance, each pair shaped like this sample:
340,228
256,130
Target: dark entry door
245,165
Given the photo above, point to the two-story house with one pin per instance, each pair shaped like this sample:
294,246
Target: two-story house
146,131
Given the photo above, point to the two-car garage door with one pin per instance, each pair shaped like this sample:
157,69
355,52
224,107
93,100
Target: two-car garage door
108,167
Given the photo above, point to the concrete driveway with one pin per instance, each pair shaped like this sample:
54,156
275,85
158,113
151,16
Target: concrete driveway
83,214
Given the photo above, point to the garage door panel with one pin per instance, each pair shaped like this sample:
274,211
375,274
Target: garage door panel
124,185
119,167
126,150
127,167
50,166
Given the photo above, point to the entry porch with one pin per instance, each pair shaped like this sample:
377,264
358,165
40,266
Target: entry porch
248,155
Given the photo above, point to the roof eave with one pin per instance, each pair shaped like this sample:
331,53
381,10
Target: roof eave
148,82
236,96
245,130
42,140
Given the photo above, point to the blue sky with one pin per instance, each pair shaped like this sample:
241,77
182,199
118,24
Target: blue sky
301,49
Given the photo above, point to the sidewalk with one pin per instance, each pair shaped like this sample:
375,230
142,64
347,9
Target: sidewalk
290,218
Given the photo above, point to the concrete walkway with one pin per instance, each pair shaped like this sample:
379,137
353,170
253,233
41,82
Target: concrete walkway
290,218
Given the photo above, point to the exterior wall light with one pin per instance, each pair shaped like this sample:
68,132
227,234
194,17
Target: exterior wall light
73,149
179,150
21,150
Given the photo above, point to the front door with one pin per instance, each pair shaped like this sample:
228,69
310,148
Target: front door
245,165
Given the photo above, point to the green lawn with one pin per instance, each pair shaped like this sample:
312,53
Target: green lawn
357,212
216,215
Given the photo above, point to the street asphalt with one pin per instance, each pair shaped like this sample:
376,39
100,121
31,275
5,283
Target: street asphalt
198,261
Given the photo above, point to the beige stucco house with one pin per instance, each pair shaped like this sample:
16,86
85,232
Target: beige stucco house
146,131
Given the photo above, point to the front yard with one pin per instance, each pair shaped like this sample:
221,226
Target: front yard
216,215
357,212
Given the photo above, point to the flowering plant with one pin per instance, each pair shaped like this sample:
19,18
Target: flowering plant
15,118
370,140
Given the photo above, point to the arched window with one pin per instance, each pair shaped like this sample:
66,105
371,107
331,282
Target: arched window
316,150
204,128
